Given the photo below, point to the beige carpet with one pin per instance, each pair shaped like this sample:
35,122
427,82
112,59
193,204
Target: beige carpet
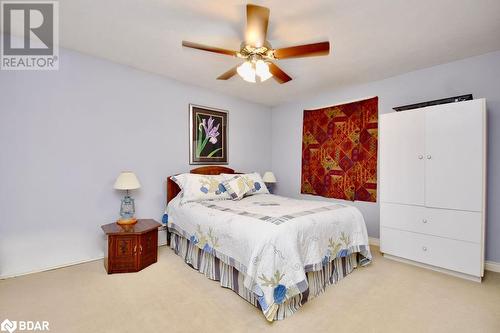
169,296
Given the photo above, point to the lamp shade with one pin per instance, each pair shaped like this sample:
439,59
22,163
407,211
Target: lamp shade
269,177
127,180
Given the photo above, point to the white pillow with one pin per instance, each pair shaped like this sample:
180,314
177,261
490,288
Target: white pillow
236,187
180,179
254,182
201,187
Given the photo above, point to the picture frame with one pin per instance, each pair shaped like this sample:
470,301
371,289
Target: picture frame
208,135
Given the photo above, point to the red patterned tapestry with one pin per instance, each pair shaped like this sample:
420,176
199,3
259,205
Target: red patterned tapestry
339,151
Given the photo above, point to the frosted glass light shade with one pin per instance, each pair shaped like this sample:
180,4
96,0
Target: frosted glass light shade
262,70
246,71
269,177
127,180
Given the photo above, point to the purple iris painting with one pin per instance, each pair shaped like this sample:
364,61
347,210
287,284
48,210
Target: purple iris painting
208,132
208,135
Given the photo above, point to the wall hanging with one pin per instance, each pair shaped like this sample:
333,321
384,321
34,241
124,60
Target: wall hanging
339,151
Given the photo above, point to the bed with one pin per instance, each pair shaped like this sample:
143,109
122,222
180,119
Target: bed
275,252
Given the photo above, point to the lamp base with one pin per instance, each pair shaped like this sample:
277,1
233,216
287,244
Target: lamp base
129,221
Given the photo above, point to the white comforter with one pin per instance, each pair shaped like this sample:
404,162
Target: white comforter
273,240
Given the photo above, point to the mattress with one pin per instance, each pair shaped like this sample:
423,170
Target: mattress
273,241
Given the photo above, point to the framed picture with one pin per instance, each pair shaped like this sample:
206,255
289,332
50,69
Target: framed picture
207,135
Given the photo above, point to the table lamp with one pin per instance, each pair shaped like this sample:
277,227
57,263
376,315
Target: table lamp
270,180
127,180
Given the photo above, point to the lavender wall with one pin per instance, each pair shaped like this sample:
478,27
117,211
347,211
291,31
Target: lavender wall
478,75
65,136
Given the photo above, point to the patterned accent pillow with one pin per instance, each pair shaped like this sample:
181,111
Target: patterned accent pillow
236,187
196,187
254,182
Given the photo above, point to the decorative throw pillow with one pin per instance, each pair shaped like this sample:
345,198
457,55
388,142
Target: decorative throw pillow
236,187
254,182
201,187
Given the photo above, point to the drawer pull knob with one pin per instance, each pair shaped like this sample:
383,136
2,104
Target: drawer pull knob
429,157
420,157
424,221
424,248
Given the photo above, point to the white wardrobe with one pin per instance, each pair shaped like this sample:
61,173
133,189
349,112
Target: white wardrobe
432,187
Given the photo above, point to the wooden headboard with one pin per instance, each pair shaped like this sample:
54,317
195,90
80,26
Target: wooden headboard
173,189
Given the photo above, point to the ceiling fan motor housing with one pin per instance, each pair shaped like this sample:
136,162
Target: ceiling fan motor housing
253,53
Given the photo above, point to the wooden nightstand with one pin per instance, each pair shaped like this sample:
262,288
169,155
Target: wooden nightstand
131,248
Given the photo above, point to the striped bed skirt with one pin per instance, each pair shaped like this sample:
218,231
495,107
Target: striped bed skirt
229,277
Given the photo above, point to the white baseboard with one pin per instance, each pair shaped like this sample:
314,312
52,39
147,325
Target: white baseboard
492,266
50,268
162,241
374,241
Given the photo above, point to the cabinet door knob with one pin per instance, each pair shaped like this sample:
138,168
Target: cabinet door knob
135,249
420,157
429,157
424,248
424,221
140,248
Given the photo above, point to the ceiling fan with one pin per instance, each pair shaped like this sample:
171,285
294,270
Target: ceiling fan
258,52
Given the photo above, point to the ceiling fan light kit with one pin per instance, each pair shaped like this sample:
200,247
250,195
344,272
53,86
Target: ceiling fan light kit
251,69
258,52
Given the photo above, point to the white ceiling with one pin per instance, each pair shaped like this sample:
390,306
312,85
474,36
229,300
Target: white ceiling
370,39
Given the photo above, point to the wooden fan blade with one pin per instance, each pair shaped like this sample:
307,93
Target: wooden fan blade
208,48
308,50
229,74
278,74
257,21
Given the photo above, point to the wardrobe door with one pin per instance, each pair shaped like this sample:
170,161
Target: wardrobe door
454,161
402,157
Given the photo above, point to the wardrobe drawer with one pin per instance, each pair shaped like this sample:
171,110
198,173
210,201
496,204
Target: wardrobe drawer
460,225
460,256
